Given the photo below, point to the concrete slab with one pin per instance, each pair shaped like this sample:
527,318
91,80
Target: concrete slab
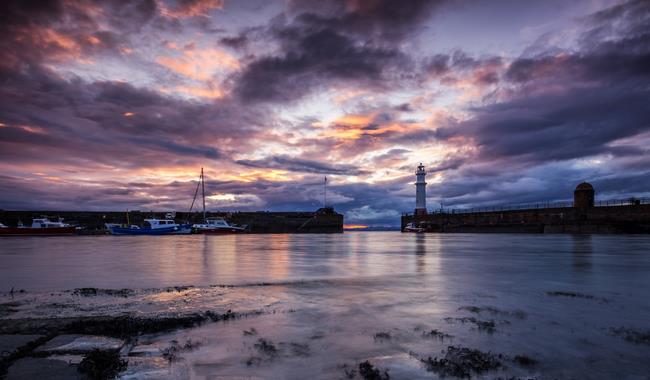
79,344
10,344
43,368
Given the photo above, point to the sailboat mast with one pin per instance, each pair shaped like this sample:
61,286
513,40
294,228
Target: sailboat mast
325,192
203,193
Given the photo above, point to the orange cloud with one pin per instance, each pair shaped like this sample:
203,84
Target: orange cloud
191,8
93,40
352,127
199,64
354,120
31,129
210,92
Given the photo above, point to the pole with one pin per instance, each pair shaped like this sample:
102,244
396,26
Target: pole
196,192
325,192
203,193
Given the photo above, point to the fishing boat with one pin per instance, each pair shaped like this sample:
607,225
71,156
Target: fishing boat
151,227
214,225
217,226
40,227
413,227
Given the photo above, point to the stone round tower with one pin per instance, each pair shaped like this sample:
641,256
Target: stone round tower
583,196
420,191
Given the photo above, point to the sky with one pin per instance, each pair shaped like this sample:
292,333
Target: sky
117,105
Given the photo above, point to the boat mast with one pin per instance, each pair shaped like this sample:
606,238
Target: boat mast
203,193
196,192
325,192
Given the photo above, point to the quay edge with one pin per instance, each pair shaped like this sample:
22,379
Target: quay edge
324,220
634,218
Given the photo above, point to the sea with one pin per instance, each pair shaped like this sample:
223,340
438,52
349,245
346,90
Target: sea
319,306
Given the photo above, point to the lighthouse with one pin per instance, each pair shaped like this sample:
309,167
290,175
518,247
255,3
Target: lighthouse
420,191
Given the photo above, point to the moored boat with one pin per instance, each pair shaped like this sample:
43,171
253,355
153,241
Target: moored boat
151,227
40,227
413,227
217,226
213,225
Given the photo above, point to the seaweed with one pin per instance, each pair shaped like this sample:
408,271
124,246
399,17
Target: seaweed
577,295
350,373
266,347
382,335
92,292
525,361
494,311
253,360
171,353
631,335
570,294
100,365
462,362
436,334
488,326
299,349
250,332
369,372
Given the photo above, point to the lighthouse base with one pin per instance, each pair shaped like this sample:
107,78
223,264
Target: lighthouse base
420,211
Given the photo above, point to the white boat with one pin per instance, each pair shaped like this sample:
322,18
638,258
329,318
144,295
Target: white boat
412,227
217,226
40,226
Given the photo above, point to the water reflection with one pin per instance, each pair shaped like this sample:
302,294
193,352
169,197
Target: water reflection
420,252
582,250
331,294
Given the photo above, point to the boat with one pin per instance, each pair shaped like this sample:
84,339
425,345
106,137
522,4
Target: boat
412,227
40,227
217,226
213,225
150,227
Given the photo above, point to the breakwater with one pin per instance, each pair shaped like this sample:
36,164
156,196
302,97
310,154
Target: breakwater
324,220
632,218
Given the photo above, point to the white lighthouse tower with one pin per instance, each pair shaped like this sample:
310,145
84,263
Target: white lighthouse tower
420,191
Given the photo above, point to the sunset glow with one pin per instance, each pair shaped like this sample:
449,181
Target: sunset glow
124,102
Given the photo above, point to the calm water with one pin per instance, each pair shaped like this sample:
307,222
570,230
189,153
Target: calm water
323,298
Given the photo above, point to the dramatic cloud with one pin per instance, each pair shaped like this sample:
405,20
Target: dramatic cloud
115,105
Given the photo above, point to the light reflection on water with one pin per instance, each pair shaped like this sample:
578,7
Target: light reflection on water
345,288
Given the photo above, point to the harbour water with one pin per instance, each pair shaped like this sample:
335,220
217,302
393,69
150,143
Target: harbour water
318,305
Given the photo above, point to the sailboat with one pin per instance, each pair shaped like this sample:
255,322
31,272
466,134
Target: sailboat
215,225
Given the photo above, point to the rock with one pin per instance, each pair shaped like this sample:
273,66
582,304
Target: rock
10,344
43,368
79,344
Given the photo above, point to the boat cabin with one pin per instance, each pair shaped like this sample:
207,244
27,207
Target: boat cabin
46,223
159,223
217,222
